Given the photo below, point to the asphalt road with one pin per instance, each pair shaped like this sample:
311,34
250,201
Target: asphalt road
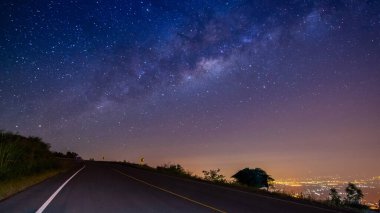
105,187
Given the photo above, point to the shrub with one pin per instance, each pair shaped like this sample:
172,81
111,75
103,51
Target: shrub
173,168
214,176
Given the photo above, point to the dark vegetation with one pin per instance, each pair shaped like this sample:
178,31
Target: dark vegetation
69,155
214,176
353,198
22,156
173,169
334,197
256,178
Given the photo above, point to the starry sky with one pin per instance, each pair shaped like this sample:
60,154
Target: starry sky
289,86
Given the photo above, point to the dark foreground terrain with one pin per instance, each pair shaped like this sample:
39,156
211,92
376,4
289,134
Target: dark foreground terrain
106,187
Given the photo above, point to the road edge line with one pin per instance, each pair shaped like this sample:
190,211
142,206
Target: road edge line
170,192
47,202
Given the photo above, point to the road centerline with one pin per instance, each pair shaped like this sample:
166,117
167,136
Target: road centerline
170,192
48,201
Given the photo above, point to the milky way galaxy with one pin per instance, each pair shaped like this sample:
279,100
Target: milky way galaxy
289,86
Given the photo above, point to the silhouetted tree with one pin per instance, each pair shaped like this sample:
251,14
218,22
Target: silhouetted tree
71,155
354,194
213,175
257,178
334,197
59,155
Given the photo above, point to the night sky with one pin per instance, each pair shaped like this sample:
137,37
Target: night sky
289,86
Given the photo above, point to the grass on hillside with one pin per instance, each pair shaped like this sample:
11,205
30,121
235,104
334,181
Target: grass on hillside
12,186
25,161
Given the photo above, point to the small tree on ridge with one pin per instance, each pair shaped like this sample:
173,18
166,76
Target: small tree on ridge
334,197
214,176
354,194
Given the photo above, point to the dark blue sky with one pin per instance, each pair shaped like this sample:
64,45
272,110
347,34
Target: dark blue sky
284,85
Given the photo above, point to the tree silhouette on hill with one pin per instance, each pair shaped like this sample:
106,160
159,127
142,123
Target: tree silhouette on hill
257,178
72,155
334,197
354,194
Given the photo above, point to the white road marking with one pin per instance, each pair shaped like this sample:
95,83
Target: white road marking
43,207
170,192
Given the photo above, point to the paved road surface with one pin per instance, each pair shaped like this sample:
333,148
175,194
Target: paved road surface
105,187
